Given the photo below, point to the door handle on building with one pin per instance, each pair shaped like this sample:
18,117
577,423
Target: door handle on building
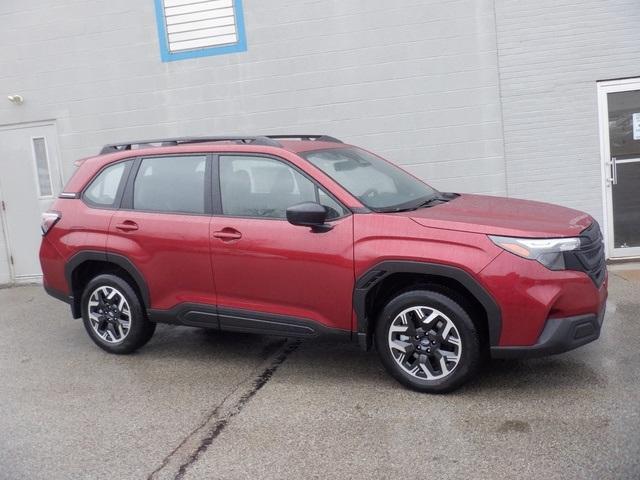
612,178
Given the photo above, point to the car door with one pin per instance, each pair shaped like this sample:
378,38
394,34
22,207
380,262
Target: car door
270,275
163,228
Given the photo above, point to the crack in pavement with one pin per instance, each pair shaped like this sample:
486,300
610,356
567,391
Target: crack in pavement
174,466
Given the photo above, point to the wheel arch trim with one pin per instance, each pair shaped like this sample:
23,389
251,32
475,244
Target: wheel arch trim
368,280
107,257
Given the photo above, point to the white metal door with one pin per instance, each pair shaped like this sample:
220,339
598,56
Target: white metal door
30,178
619,104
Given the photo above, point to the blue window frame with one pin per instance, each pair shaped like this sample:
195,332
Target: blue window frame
199,28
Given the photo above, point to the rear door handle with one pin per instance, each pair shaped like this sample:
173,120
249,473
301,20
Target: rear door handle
228,234
127,226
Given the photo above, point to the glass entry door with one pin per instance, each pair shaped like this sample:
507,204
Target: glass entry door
620,129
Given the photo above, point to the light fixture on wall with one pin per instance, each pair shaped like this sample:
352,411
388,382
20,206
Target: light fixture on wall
16,99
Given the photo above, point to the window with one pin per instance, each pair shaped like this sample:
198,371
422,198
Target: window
197,28
171,184
103,191
42,167
375,182
264,187
334,208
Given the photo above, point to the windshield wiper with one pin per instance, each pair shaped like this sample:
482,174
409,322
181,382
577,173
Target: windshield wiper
436,199
430,201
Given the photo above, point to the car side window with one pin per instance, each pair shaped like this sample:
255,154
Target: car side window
334,208
265,187
103,190
171,184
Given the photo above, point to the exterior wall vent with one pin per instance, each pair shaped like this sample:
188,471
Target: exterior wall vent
197,28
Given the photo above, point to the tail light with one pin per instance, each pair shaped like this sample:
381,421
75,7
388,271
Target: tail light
49,219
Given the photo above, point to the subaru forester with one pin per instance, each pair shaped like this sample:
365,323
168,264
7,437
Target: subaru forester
302,236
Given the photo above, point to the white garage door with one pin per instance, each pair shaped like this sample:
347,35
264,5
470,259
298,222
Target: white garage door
29,181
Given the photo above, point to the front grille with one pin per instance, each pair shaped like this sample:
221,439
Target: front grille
589,258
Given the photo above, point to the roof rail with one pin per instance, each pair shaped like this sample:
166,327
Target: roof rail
257,140
317,138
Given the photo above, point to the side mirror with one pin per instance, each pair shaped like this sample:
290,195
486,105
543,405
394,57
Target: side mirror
308,214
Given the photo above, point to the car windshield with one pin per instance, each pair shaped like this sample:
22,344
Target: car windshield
378,184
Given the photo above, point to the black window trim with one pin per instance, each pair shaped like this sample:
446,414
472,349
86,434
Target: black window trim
217,202
121,186
126,203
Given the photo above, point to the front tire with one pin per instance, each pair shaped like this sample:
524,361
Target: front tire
427,341
113,315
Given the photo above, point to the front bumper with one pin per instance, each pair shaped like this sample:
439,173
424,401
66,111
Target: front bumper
559,335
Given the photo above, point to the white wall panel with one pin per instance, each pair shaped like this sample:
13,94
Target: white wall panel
415,80
551,54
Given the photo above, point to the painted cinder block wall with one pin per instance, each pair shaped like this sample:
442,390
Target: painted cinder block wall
414,80
471,95
551,54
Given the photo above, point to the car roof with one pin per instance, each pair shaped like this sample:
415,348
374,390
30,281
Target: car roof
263,140
188,145
297,146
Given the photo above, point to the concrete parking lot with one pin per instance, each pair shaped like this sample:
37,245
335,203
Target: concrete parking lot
195,404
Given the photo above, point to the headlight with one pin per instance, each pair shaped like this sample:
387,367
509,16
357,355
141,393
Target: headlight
547,251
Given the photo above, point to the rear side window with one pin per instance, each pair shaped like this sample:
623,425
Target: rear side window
171,184
103,191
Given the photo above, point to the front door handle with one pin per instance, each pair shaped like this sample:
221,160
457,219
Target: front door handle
228,234
127,226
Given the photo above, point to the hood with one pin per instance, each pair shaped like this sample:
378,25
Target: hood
502,216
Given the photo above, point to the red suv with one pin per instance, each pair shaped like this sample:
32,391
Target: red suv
303,235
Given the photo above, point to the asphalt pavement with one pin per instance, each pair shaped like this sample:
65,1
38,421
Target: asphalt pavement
194,404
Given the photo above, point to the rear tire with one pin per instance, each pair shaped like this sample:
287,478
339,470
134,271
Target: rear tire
427,341
114,316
